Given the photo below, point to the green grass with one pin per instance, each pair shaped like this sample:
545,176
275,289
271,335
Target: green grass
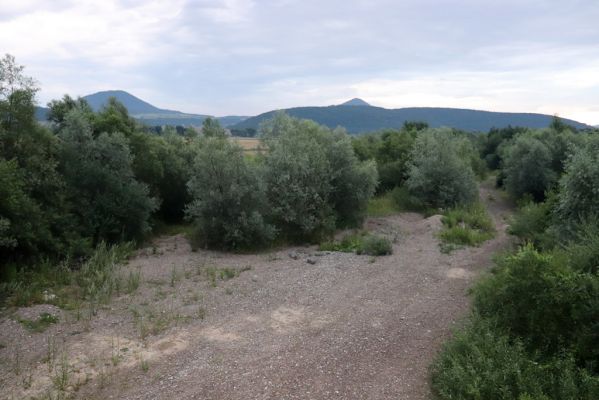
40,324
360,242
93,282
348,244
382,206
467,226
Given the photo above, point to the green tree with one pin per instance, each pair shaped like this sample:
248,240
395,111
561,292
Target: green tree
527,168
579,186
109,203
437,175
211,128
228,198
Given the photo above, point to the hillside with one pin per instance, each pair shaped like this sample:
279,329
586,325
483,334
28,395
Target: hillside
145,112
368,118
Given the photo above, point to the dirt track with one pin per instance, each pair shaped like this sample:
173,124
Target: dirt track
347,327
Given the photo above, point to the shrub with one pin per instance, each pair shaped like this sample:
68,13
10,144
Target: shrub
228,198
438,177
546,303
527,168
532,223
481,362
314,181
579,186
375,245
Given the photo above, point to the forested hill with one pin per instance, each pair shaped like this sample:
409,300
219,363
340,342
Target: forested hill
368,118
144,111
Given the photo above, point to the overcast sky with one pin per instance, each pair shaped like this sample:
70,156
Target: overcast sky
245,57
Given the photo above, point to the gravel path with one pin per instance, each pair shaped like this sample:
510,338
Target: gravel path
347,327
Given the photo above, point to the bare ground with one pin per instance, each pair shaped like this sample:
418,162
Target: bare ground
347,327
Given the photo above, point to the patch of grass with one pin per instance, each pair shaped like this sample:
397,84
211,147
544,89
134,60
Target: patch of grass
348,244
224,274
404,201
381,206
468,226
360,242
40,324
98,278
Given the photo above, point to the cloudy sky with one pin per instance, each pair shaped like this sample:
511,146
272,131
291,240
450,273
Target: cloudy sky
249,56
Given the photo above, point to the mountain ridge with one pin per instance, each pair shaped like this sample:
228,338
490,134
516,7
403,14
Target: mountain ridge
356,115
366,119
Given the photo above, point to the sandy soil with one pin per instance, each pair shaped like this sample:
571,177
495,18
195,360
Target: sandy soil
347,326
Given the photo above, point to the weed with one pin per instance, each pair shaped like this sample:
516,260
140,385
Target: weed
62,376
143,364
50,352
116,353
133,281
201,312
174,276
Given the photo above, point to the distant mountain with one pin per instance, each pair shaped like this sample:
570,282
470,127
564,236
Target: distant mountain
356,102
145,112
368,118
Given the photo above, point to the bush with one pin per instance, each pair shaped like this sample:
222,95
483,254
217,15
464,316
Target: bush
527,168
375,245
532,223
314,181
546,303
579,186
228,198
438,177
481,363
107,201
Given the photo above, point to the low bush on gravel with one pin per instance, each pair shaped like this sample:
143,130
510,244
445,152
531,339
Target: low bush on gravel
467,226
360,243
374,245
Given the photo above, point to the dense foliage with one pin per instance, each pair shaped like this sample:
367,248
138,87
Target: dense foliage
314,181
439,174
229,205
534,332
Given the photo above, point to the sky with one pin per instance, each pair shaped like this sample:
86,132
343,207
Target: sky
245,57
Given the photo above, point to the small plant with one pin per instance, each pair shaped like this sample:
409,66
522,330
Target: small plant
174,276
143,364
62,376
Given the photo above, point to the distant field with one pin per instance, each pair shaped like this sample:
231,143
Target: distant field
248,144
